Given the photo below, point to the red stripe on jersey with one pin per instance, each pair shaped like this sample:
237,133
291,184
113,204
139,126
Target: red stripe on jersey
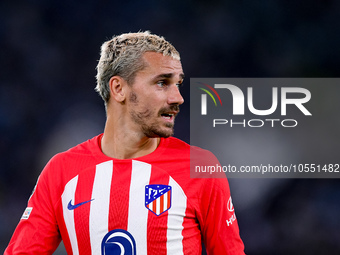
81,214
119,199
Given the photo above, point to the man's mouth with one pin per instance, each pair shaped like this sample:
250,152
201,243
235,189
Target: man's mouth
170,113
168,116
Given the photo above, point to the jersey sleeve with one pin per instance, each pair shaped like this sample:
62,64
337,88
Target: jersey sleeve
219,227
37,231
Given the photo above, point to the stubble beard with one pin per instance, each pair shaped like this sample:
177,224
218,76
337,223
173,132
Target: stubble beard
152,129
144,119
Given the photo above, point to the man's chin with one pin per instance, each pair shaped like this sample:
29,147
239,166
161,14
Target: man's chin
160,133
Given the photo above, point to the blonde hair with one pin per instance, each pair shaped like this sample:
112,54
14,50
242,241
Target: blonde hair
122,56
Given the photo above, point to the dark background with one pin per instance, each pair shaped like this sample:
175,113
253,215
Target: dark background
49,50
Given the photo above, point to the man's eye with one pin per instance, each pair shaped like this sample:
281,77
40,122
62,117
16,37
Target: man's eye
161,84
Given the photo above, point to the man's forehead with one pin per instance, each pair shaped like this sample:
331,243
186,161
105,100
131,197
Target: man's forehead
168,66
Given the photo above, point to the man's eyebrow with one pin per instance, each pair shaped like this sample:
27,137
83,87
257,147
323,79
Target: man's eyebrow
168,76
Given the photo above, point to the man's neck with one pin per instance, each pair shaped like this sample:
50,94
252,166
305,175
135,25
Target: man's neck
127,146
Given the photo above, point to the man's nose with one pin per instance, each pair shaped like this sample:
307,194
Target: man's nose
175,96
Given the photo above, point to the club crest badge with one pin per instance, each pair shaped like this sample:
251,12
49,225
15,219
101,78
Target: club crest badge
158,198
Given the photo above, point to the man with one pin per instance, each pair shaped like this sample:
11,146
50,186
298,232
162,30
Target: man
128,190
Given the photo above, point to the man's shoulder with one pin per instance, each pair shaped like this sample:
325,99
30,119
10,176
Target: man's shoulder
80,155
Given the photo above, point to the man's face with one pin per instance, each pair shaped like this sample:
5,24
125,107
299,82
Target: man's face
154,96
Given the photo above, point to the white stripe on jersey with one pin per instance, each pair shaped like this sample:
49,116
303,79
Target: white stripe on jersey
66,197
138,214
175,219
99,210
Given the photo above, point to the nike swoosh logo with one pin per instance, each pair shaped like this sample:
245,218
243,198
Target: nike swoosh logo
70,206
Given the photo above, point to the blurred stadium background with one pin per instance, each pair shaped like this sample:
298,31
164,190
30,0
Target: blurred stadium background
49,50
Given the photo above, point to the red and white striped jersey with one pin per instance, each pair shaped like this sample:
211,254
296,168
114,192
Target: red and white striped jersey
147,205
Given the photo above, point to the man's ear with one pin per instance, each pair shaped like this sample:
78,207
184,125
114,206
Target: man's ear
118,88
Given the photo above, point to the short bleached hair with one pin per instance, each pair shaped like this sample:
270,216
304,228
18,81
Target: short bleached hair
122,56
